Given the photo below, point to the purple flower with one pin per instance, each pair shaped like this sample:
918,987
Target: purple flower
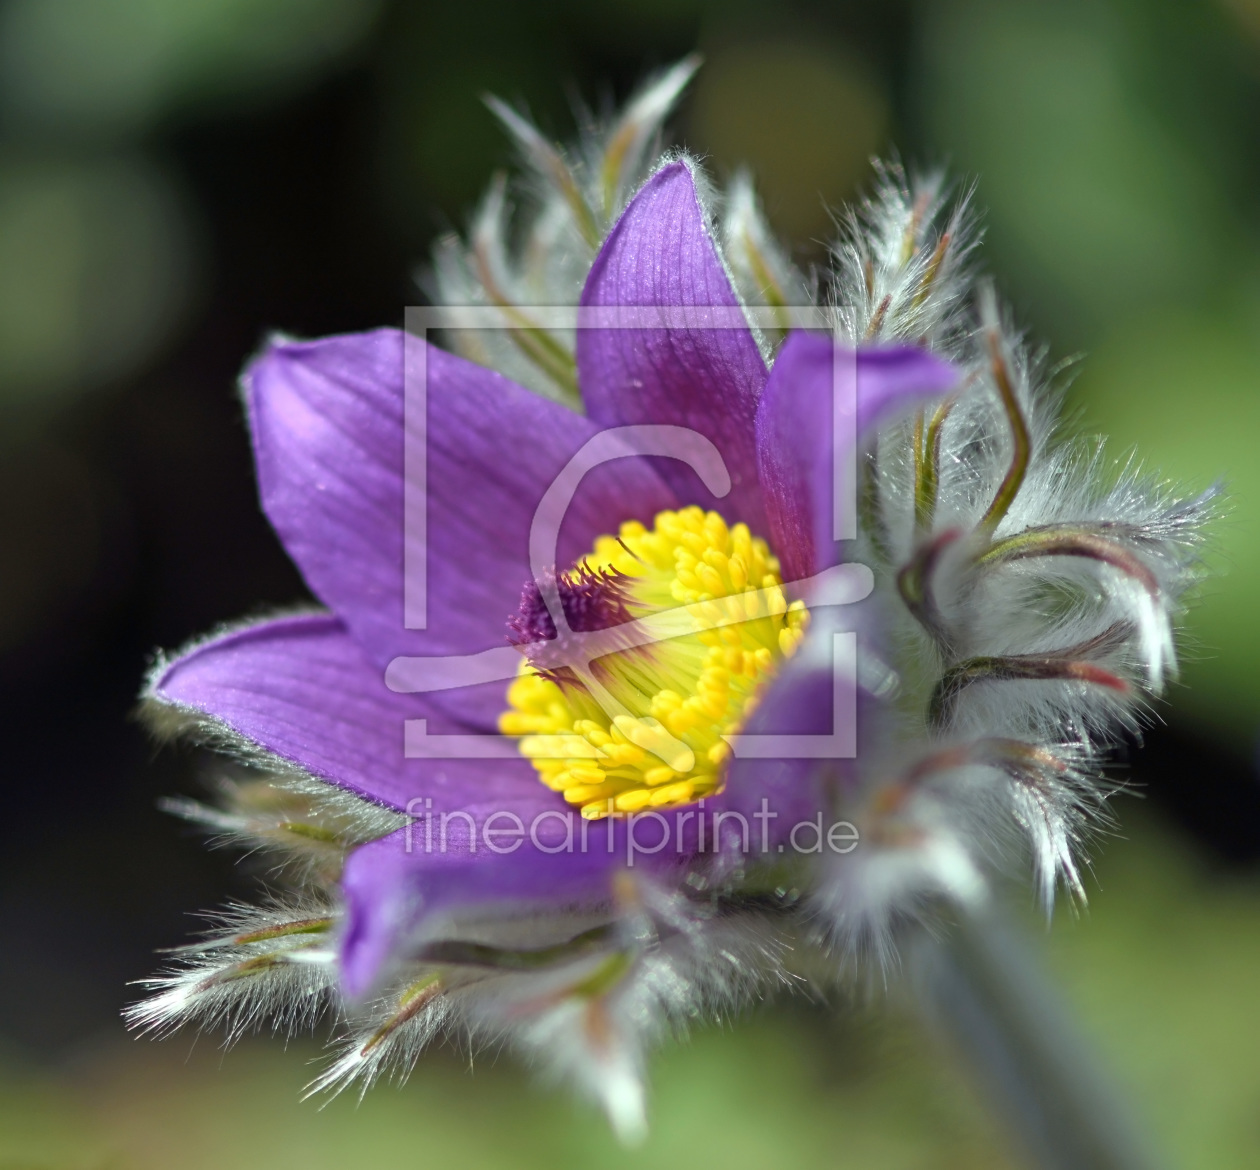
608,865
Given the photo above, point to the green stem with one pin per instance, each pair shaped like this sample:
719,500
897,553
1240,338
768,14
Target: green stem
927,465
981,987
1020,438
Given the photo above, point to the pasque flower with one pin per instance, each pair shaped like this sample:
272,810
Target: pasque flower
610,867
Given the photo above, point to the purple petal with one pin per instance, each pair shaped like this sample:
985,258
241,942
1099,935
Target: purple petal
795,428
807,699
328,427
403,890
302,689
692,373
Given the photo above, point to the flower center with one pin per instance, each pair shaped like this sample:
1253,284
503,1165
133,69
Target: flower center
672,632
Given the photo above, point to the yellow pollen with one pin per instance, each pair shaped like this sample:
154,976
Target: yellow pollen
676,694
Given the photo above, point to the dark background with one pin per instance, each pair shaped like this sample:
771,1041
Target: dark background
251,166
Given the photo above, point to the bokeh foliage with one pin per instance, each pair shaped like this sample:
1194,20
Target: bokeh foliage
179,176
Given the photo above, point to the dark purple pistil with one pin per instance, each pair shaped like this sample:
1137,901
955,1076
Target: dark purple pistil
592,599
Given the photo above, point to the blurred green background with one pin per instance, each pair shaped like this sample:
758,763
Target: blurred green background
177,177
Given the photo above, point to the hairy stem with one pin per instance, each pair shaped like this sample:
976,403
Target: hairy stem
535,342
1021,440
932,271
776,299
1071,664
927,465
914,583
869,515
1070,541
415,998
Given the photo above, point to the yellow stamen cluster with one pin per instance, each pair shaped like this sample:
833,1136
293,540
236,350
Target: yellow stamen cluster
686,691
